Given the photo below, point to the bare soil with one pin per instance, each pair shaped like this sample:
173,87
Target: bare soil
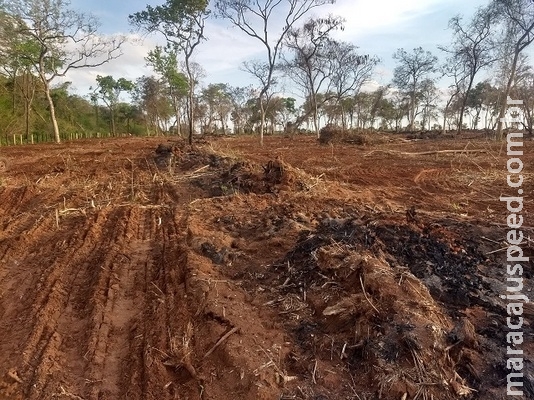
148,269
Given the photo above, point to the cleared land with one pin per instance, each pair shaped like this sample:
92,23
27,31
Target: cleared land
148,269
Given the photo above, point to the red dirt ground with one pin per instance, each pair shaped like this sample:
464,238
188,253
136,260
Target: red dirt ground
148,269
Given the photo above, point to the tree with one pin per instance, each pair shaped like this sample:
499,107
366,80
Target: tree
428,97
65,40
219,103
362,105
149,94
378,98
411,70
518,19
525,91
164,61
182,24
109,91
349,71
16,66
240,96
475,101
387,113
308,66
472,48
127,112
452,68
288,110
255,19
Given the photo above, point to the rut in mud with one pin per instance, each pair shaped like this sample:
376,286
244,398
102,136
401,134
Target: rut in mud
149,269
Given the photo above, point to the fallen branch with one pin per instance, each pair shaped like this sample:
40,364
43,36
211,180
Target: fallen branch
14,375
194,174
72,210
497,251
490,240
367,298
221,340
426,153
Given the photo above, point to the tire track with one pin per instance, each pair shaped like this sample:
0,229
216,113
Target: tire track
120,302
159,330
56,325
62,304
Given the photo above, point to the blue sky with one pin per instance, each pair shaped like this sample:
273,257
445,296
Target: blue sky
377,27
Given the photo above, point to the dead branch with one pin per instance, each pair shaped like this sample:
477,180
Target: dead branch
221,340
426,153
367,298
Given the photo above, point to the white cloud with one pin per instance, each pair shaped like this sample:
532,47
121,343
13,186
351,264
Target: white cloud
220,56
130,65
364,17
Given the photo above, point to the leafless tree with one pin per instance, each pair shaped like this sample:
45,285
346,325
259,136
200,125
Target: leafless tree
454,69
348,71
257,19
308,63
151,96
525,92
428,97
518,20
472,48
409,74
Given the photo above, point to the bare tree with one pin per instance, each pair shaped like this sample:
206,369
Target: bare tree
239,97
410,72
472,48
256,19
309,62
348,72
428,96
454,69
518,20
66,40
525,91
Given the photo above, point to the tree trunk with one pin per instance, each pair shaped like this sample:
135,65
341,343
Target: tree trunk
343,117
28,90
191,117
464,103
27,119
52,112
315,115
112,115
412,114
176,106
504,104
190,99
223,126
14,97
262,119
